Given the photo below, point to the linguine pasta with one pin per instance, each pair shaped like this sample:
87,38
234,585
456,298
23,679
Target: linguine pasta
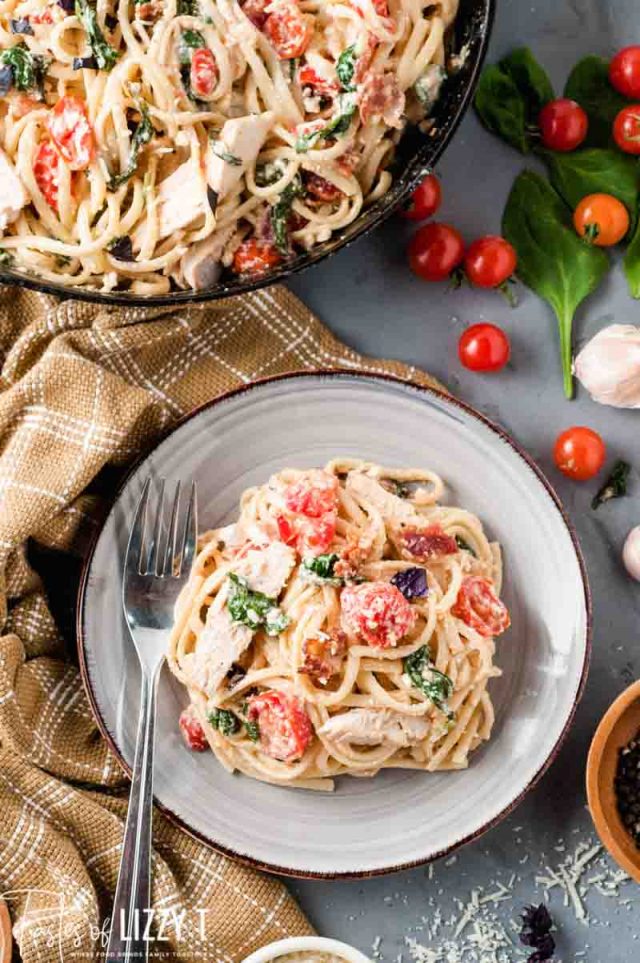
343,625
151,145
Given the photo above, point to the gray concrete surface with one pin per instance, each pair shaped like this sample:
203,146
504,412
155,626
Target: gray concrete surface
369,298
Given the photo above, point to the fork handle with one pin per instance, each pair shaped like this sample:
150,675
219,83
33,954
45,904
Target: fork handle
133,890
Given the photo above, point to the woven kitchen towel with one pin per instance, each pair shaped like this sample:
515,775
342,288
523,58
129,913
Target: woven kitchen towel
83,388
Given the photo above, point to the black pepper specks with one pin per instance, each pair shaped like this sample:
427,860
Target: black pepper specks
627,788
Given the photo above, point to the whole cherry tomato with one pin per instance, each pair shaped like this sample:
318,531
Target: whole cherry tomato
601,219
624,72
435,250
626,129
563,124
490,261
425,200
484,347
579,453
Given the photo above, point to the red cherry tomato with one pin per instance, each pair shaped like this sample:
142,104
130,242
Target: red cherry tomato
563,124
192,731
484,347
288,31
284,728
308,77
255,10
314,494
624,72
321,188
377,612
255,257
72,132
426,543
46,170
626,129
480,608
425,200
435,250
602,219
579,453
490,261
204,72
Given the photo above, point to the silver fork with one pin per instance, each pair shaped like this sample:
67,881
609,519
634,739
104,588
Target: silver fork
152,581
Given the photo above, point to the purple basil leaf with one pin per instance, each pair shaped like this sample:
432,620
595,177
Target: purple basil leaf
121,249
67,5
6,79
21,26
412,582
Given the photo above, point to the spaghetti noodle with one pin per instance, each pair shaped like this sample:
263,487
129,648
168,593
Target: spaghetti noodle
150,145
345,624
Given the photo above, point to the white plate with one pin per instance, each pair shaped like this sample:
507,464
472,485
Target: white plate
400,818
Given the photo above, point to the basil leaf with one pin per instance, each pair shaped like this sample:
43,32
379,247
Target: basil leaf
189,40
552,260
188,8
6,258
321,569
105,54
615,485
464,546
252,730
435,685
510,96
144,132
588,84
27,70
121,248
253,608
280,213
582,172
339,124
346,67
631,263
224,721
218,148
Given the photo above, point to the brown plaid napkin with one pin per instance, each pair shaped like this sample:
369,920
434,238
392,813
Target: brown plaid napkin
83,388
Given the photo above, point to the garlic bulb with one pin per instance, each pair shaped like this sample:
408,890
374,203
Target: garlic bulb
631,553
609,366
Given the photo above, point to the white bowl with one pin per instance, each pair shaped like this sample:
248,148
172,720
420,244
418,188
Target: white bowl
399,818
307,944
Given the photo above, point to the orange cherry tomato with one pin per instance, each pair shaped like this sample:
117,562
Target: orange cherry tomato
579,453
601,219
72,133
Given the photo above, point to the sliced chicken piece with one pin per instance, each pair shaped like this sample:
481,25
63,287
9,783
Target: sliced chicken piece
389,505
375,727
268,568
13,196
202,264
220,644
240,140
181,199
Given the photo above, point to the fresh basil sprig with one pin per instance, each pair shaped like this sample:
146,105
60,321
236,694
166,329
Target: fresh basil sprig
224,721
552,260
144,132
435,685
346,67
281,212
27,70
254,608
338,124
105,54
322,568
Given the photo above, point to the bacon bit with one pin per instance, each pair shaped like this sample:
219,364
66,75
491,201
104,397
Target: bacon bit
255,10
320,188
284,727
348,162
192,731
381,99
23,104
352,556
364,60
427,543
323,656
149,11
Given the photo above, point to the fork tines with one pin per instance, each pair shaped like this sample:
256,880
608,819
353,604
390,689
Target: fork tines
163,555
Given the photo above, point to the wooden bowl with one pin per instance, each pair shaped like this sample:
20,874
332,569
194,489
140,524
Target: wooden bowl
618,726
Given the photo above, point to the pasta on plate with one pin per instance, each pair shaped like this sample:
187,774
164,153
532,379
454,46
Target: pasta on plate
151,145
343,625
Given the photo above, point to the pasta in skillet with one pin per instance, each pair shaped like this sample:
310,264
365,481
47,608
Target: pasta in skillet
343,625
149,145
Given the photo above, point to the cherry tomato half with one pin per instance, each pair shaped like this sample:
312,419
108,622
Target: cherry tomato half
288,31
624,72
484,347
490,261
425,200
254,257
602,219
626,129
579,453
563,124
72,133
435,250
46,171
